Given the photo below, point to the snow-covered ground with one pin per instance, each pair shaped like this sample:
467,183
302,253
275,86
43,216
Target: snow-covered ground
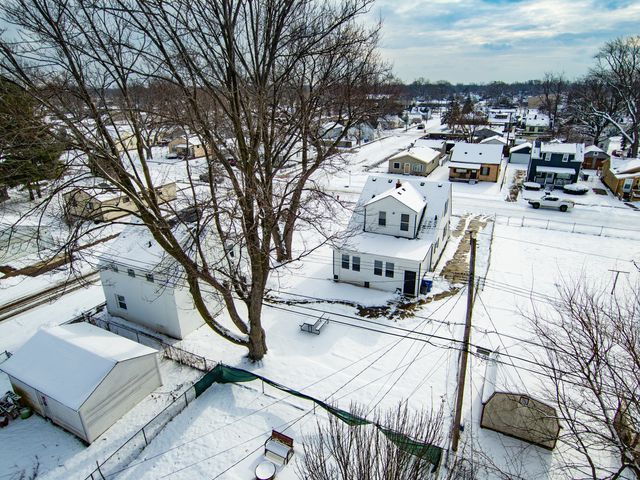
376,362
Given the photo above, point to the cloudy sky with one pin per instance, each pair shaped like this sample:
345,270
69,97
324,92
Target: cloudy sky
485,40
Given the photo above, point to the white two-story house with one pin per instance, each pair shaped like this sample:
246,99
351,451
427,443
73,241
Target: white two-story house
145,285
396,235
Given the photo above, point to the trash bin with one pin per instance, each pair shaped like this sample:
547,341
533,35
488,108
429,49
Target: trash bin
426,285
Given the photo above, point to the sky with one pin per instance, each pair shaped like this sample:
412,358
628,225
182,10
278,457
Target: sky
465,41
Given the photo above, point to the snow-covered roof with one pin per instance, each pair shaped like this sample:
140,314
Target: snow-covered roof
542,168
436,195
101,190
405,193
430,142
495,138
575,148
536,119
422,153
625,167
594,149
469,166
68,362
522,146
477,153
134,247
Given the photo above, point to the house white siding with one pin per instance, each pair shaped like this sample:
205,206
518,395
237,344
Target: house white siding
393,211
147,303
126,385
367,276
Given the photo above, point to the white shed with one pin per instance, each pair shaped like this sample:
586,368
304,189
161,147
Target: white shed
81,377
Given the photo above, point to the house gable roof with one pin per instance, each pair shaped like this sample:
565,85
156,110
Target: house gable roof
478,153
68,362
437,195
405,193
625,167
420,153
522,146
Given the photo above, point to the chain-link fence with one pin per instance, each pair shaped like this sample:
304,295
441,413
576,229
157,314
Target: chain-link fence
124,458
572,227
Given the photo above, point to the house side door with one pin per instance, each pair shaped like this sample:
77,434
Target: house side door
407,168
409,287
628,183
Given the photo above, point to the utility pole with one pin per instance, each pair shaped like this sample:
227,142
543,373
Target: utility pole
615,281
462,374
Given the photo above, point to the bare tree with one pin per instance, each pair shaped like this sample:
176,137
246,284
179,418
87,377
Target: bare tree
554,87
254,81
395,446
592,340
618,64
591,104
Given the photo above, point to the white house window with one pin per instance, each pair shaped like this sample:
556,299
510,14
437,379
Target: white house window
484,171
417,167
122,303
396,165
377,267
126,200
345,261
89,206
547,157
388,272
229,249
382,219
565,157
404,222
131,272
461,170
149,277
355,264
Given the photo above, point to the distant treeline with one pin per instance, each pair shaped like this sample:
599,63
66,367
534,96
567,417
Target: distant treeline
427,90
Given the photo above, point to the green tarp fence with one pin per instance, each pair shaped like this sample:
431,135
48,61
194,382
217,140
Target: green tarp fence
226,374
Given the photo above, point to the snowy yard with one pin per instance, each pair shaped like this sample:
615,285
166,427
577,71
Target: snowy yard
370,353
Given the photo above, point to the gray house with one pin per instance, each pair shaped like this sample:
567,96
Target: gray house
81,377
555,164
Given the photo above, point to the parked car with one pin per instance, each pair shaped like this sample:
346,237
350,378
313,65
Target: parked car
551,201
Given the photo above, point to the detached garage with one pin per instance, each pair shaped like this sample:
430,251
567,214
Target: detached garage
81,377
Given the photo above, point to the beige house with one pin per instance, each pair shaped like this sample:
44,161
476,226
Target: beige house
103,203
415,161
186,147
475,162
125,142
622,176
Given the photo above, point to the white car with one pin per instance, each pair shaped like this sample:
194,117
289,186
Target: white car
551,201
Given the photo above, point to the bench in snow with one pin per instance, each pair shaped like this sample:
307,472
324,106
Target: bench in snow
316,327
279,447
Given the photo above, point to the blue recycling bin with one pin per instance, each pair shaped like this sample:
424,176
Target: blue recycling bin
426,285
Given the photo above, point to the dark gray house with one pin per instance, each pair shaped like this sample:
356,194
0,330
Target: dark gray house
555,164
